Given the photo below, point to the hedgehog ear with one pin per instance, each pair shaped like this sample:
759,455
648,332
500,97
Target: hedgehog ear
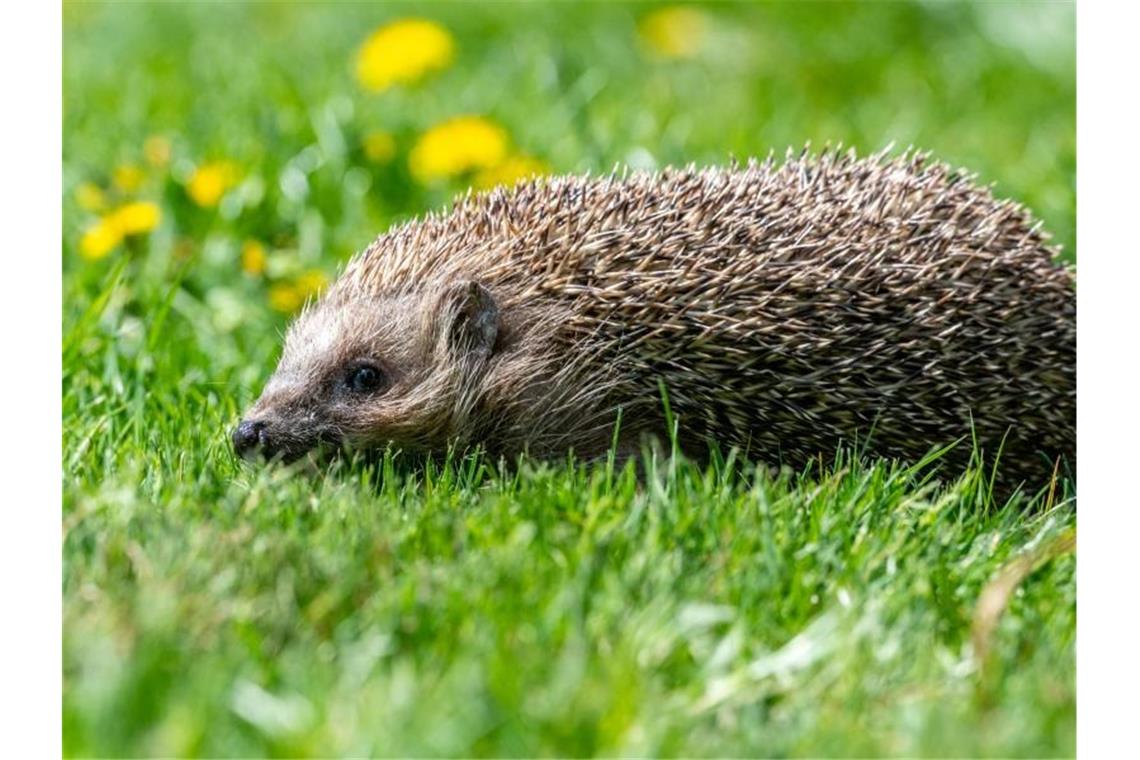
474,317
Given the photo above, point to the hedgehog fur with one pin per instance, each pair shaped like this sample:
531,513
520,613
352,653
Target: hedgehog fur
784,307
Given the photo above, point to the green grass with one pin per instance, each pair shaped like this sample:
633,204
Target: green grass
552,609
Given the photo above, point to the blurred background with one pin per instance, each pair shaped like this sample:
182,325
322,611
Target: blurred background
246,150
222,160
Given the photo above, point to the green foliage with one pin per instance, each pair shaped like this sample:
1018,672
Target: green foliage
469,608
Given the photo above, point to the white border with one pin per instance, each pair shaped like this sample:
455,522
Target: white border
30,442
1108,294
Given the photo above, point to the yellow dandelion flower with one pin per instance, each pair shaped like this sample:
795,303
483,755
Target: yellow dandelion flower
90,197
136,218
284,297
402,52
253,258
379,146
157,151
128,178
515,168
100,239
210,181
674,32
458,145
310,283
130,219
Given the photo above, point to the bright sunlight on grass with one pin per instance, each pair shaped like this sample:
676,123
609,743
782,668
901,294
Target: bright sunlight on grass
222,160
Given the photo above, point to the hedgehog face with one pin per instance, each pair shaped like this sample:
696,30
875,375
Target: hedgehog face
364,372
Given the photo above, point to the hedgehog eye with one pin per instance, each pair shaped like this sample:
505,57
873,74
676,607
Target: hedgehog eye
364,378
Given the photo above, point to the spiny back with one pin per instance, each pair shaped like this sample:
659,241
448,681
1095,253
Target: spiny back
840,214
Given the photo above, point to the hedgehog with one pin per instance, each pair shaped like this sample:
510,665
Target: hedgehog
781,308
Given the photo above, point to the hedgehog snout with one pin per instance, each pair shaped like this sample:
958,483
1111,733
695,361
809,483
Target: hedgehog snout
273,438
250,438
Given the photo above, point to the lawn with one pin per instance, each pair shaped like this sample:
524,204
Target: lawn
221,161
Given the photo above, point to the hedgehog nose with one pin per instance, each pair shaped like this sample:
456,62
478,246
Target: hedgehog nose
249,436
